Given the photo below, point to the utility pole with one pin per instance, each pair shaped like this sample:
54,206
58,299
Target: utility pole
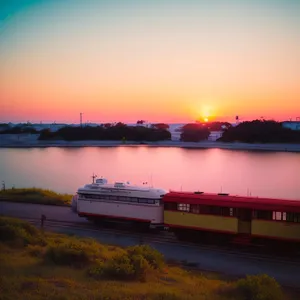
80,119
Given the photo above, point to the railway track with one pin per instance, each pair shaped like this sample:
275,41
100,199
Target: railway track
166,238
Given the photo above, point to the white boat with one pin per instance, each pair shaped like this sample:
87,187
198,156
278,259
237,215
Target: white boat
120,201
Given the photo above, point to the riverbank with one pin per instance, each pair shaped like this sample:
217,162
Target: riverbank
35,196
31,141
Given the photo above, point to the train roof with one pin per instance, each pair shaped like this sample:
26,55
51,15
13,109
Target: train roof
226,200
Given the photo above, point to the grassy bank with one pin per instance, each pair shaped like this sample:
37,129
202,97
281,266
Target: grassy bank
37,265
35,195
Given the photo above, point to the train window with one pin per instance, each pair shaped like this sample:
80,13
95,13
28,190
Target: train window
262,215
225,211
113,197
183,207
231,212
293,217
170,206
274,215
151,201
204,209
195,208
216,210
284,216
279,216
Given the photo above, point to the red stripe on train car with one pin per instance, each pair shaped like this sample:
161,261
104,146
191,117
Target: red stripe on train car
233,201
112,217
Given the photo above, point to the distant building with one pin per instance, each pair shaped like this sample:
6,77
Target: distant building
214,135
294,125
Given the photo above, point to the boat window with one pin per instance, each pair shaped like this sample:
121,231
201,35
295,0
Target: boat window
151,201
133,199
143,200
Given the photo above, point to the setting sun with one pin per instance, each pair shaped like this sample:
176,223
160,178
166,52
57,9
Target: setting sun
205,119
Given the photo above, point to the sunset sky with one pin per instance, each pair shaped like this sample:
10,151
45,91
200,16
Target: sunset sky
167,61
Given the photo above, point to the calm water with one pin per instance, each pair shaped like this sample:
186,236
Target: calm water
212,170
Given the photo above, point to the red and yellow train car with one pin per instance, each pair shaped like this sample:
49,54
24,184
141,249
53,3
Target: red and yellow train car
232,218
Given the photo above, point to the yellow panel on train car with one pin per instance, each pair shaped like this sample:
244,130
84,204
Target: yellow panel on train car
205,222
281,230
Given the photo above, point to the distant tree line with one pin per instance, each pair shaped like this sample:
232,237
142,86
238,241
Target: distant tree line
194,132
18,129
257,131
260,131
107,131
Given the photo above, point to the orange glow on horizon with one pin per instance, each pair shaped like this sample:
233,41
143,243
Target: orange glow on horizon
149,62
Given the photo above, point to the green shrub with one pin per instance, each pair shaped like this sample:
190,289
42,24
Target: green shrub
18,232
137,263
259,287
152,256
141,267
97,271
119,267
68,253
